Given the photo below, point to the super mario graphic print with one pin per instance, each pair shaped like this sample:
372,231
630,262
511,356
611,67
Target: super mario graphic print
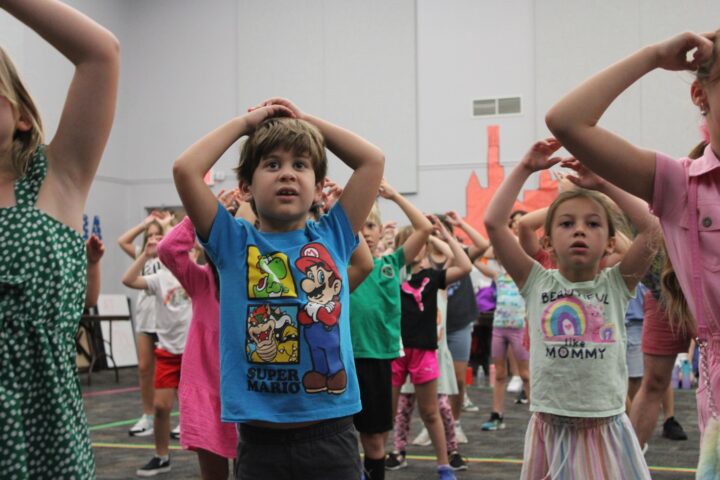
319,317
272,334
269,275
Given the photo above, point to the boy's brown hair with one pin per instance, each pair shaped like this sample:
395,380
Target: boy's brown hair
297,136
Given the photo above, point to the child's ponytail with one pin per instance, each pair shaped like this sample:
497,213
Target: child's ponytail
674,302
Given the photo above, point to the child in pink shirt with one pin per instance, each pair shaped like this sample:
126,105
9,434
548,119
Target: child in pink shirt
683,194
199,391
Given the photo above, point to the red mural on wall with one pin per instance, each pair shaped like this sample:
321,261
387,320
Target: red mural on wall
478,197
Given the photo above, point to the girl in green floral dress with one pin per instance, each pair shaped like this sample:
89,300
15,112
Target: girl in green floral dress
43,189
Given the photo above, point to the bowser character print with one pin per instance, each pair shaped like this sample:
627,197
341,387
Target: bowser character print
319,318
272,335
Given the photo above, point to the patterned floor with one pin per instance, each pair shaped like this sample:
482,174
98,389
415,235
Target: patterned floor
113,407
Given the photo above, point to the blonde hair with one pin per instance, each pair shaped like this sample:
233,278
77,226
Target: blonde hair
673,300
402,235
12,88
581,193
146,235
374,215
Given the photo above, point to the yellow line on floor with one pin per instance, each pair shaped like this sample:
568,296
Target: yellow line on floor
513,461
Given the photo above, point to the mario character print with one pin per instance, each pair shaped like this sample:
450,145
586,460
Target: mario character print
272,335
269,276
319,317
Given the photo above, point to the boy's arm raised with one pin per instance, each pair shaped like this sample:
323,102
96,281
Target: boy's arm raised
361,264
506,248
573,120
132,277
192,165
421,225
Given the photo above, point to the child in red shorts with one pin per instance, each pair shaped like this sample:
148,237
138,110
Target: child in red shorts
174,312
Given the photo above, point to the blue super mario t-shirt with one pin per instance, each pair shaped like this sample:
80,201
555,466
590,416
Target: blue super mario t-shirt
285,349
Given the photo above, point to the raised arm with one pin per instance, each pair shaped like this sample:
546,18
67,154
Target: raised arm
643,248
94,250
132,277
174,252
361,264
479,243
573,120
486,270
190,168
506,248
460,265
528,226
126,239
75,151
365,159
422,228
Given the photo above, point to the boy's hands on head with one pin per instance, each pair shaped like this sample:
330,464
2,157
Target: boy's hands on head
95,249
672,53
283,103
539,155
386,190
258,114
585,177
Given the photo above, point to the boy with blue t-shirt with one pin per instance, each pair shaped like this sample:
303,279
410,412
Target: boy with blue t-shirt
287,371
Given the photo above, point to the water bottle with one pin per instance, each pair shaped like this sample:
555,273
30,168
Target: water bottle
492,376
686,373
675,380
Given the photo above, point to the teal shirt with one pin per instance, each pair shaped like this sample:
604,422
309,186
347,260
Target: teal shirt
577,343
375,310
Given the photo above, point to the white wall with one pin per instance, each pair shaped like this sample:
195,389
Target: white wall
402,73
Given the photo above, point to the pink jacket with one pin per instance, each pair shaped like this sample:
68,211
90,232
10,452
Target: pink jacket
686,198
199,391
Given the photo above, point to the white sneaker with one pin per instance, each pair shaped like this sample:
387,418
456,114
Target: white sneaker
175,434
423,438
515,384
143,427
460,436
468,405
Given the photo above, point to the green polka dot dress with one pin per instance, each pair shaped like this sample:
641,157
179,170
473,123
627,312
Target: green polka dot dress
43,429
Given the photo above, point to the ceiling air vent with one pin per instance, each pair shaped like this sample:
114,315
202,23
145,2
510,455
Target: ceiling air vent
497,106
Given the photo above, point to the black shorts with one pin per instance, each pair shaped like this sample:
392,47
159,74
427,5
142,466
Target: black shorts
324,451
375,382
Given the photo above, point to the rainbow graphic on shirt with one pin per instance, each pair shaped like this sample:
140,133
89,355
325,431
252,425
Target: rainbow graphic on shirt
564,318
